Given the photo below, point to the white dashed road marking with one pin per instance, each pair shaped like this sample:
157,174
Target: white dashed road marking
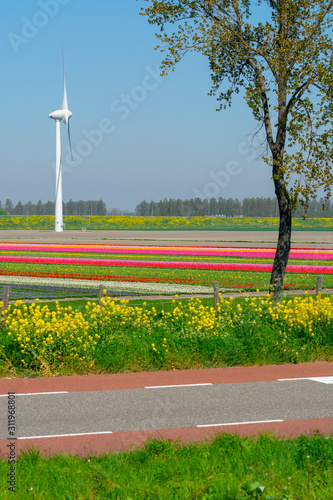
33,393
323,380
240,423
178,385
66,435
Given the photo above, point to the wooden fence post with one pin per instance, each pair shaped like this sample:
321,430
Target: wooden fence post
319,285
216,296
5,297
100,294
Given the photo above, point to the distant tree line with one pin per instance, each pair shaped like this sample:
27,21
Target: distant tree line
228,207
81,207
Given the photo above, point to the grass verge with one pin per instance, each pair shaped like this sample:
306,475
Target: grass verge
229,467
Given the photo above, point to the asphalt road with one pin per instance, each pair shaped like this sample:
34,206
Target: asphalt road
198,400
169,407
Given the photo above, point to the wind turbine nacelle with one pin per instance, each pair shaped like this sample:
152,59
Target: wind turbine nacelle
60,114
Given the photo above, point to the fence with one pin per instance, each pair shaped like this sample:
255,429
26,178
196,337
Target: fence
100,292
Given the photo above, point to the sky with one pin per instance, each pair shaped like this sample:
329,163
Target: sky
135,135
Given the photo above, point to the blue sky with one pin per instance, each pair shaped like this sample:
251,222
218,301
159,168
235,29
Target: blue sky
135,135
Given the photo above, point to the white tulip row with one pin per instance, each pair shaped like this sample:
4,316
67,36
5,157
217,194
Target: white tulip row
115,286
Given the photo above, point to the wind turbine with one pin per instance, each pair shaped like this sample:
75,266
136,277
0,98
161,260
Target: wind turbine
60,115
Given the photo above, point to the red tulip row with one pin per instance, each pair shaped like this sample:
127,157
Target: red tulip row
96,277
174,264
295,253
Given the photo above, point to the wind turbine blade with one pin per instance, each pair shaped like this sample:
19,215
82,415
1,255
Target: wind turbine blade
64,101
69,137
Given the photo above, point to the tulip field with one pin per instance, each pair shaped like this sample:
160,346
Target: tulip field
160,269
66,340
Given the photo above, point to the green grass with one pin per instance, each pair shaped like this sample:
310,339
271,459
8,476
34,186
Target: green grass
262,343
229,467
31,292
163,304
158,304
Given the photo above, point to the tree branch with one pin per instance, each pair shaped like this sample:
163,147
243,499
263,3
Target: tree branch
297,95
299,47
264,100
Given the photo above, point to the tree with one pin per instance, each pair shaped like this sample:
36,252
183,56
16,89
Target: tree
2,211
229,206
39,208
81,208
100,208
237,207
280,53
160,208
188,208
212,207
222,203
29,208
19,208
142,209
9,206
70,207
198,206
49,208
205,207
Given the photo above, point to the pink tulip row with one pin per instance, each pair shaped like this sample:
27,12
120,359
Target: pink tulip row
147,263
160,250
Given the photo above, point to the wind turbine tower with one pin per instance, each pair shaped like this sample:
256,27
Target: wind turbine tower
60,115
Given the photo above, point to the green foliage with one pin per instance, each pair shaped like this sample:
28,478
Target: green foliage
81,207
280,54
248,207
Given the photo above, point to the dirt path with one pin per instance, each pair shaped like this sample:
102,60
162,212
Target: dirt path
312,239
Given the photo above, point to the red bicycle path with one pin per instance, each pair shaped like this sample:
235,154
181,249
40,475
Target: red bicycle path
126,441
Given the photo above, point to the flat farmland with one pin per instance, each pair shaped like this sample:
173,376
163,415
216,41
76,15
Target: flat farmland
163,262
318,239
162,334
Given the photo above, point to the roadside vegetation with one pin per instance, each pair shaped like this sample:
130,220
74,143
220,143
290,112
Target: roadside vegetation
40,340
229,467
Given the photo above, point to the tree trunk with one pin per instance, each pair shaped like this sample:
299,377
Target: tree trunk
283,245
